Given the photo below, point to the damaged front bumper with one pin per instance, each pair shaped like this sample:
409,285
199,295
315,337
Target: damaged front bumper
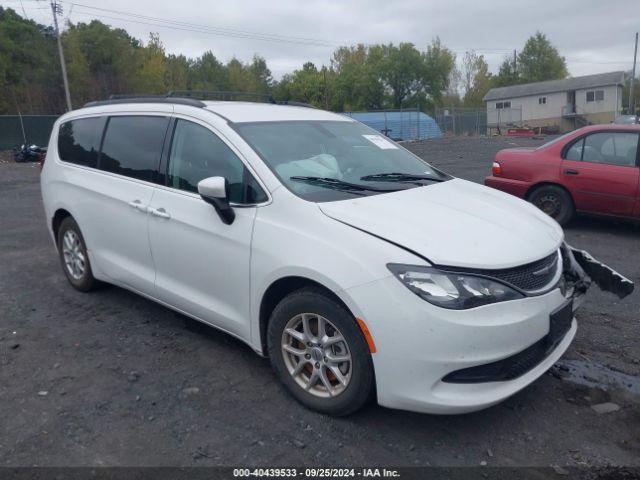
580,270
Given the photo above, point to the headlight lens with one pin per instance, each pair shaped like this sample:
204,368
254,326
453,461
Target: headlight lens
456,291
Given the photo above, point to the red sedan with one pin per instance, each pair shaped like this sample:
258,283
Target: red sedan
595,169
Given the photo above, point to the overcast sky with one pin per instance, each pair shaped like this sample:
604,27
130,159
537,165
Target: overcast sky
593,35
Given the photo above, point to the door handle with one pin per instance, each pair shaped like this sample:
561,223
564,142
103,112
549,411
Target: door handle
137,204
571,171
159,212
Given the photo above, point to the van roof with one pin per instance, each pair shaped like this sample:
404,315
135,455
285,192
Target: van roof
232,111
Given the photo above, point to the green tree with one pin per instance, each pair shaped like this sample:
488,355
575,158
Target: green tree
260,78
151,75
476,79
507,74
401,69
471,63
81,82
111,55
177,72
208,73
282,89
306,85
30,78
238,75
539,60
354,84
439,62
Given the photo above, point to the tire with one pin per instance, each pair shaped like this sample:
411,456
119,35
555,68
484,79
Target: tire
357,373
78,272
555,202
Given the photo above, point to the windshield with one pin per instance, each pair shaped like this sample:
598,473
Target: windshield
343,152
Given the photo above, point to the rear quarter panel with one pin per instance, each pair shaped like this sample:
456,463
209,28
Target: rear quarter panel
529,166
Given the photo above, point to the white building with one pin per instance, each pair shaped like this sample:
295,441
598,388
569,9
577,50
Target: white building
567,104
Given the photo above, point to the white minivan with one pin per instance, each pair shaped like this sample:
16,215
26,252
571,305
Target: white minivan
357,268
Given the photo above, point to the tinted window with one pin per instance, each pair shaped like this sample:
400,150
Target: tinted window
133,145
79,141
197,153
613,148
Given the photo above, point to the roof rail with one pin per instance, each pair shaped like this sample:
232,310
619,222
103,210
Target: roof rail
292,103
230,95
219,95
119,99
192,98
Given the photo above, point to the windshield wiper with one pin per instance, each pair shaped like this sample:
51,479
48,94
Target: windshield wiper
339,184
399,177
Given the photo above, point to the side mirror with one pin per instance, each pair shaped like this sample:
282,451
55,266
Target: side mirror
214,191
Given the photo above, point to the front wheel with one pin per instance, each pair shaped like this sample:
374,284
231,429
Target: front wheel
319,353
555,202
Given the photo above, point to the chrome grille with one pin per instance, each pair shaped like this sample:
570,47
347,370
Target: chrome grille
530,277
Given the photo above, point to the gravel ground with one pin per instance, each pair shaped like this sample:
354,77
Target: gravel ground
109,378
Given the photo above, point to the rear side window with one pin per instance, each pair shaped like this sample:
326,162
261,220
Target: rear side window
611,148
79,141
133,145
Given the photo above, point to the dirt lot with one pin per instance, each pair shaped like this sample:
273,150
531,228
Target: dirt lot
109,378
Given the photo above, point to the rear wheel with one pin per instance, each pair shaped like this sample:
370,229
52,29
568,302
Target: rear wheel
73,256
319,353
554,201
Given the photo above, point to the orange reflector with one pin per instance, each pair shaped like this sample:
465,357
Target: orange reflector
367,335
496,169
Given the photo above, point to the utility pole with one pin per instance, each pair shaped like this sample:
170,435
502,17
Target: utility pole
56,9
515,69
632,103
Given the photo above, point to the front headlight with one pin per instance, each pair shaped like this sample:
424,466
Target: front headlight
457,291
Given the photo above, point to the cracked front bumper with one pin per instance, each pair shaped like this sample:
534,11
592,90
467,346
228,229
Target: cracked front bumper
419,344
581,270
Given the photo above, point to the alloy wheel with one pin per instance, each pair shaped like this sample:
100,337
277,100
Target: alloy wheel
316,355
74,258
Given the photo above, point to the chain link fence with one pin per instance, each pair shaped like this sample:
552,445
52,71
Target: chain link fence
477,121
501,119
462,121
34,128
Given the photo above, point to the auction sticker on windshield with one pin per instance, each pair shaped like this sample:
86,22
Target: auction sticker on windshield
380,142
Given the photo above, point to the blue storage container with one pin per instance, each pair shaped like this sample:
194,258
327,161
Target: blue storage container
400,124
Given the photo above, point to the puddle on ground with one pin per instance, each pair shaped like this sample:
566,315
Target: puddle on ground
595,375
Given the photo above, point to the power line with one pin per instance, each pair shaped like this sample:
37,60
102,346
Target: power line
171,27
200,28
244,34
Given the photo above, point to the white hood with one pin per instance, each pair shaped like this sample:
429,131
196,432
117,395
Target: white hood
455,223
